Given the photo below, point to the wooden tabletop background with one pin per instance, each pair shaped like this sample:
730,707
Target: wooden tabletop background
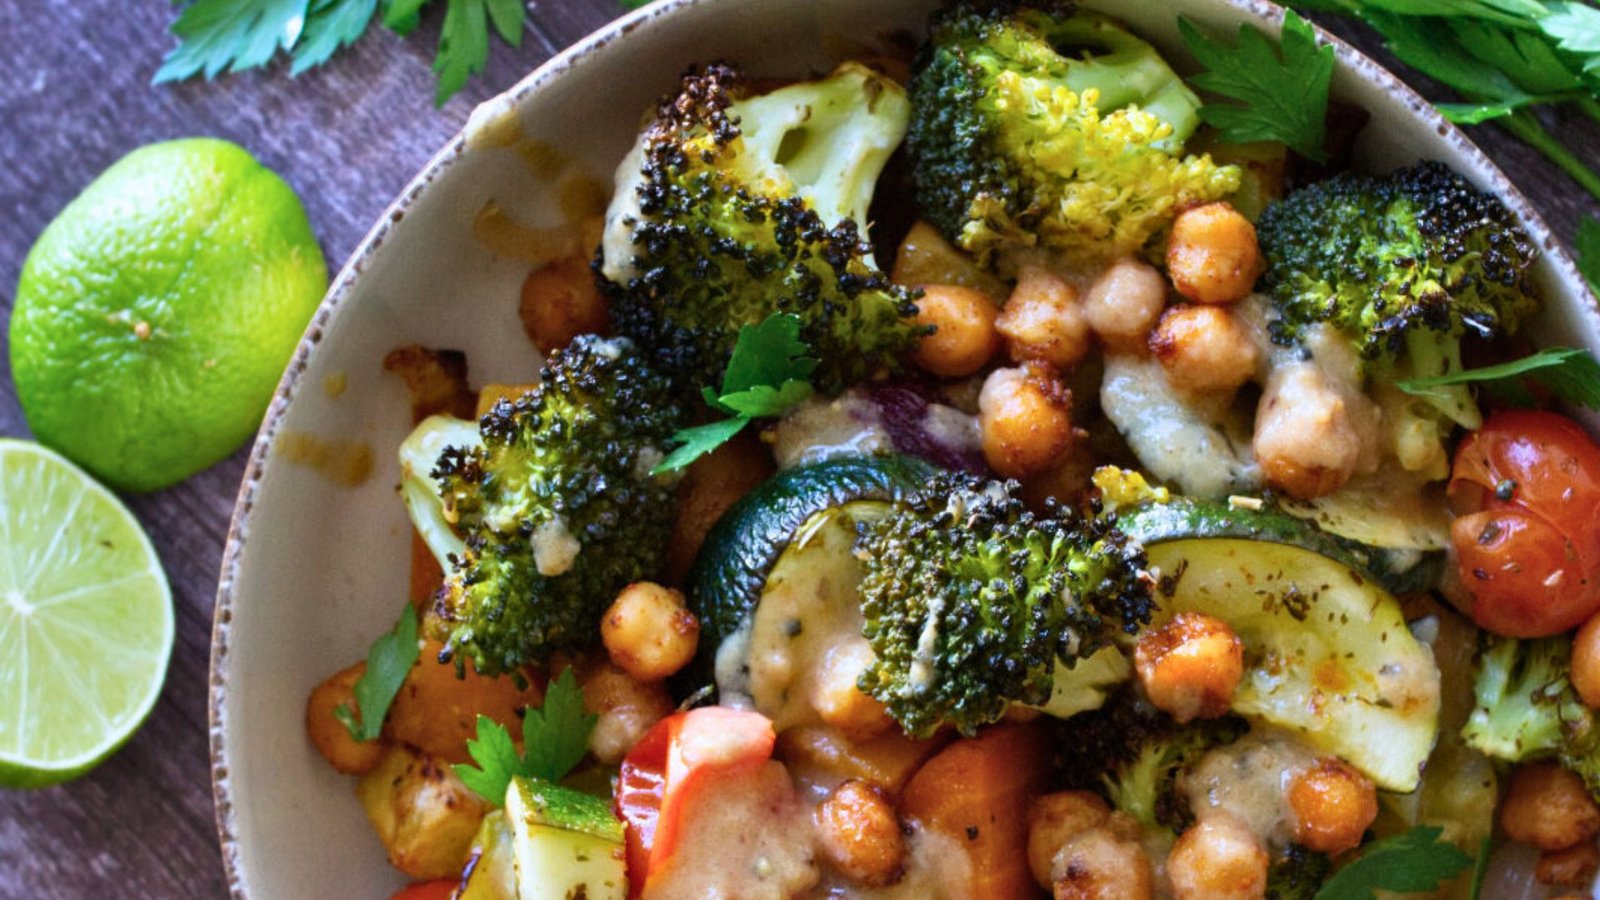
74,97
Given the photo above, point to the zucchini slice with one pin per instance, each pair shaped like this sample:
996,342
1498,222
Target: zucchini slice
1188,518
565,843
1327,651
730,573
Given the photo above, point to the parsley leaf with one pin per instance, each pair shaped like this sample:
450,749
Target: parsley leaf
1571,374
766,376
1280,98
217,36
1576,29
1414,861
389,660
555,738
1589,251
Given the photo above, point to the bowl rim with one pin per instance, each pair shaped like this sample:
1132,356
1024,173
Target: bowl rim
1260,13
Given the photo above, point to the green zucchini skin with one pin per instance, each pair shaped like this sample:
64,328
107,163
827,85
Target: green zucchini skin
1185,518
730,573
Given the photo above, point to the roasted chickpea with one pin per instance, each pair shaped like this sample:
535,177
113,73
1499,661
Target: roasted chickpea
1306,438
649,632
1042,320
1212,255
1572,867
964,337
560,302
1218,858
626,709
1053,819
1098,865
1204,349
328,734
1024,420
1190,666
836,698
1548,807
859,834
1122,305
1586,662
1333,806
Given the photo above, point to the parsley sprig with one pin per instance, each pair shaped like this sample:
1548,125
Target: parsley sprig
1280,96
1572,375
1415,861
218,36
555,738
766,376
389,660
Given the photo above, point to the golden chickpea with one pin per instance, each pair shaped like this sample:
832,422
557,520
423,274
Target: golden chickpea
1024,420
1042,320
836,698
1053,819
1123,303
1548,807
859,834
1190,666
964,337
1204,349
649,632
560,302
328,734
1333,806
1098,865
1306,438
626,709
1218,858
1212,256
1573,867
1586,662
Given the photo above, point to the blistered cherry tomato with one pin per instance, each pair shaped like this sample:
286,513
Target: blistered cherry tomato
1526,489
427,890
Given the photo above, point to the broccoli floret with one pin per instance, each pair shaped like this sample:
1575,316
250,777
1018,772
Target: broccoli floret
1403,266
1298,874
971,601
1526,708
1035,128
1146,785
734,207
557,508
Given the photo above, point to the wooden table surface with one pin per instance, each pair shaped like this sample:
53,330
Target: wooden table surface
74,97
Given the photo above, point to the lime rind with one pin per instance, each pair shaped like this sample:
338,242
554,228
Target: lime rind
86,622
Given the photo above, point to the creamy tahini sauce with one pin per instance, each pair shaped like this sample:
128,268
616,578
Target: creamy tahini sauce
819,429
1250,778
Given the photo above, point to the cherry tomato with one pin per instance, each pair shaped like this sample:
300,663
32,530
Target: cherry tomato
427,890
1526,487
676,759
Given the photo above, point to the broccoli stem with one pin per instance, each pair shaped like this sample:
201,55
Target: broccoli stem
1526,127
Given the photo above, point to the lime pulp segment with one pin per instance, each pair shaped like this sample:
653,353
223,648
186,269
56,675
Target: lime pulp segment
86,622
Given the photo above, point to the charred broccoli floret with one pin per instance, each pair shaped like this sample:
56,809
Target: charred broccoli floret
733,207
557,507
1146,785
972,602
1403,267
1297,874
1526,708
1034,127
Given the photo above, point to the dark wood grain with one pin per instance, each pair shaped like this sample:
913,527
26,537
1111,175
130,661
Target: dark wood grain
75,96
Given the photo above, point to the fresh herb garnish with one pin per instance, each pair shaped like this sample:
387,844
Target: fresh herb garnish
1503,57
233,35
1588,244
388,661
1571,374
1280,98
766,376
555,738
1414,861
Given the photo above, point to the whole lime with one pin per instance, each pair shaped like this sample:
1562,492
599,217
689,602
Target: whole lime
156,313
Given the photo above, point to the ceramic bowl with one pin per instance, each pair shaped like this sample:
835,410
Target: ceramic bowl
314,567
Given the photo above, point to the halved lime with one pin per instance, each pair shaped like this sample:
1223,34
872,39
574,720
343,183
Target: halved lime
85,619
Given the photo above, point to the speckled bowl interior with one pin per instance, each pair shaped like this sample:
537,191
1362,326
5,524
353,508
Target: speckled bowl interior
314,569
